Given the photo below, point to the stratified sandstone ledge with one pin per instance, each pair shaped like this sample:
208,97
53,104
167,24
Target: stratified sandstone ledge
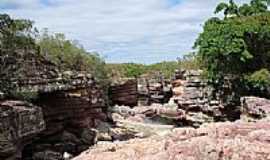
217,141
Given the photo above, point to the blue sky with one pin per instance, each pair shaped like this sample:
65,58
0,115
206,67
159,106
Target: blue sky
142,31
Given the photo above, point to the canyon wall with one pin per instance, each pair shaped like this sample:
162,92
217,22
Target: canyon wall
65,108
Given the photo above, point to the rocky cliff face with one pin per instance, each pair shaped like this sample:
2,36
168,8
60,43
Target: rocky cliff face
71,117
67,107
198,100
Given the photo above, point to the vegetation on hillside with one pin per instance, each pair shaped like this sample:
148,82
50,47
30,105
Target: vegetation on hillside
69,55
167,68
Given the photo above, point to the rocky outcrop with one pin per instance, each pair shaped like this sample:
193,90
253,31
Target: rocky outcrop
124,92
153,89
254,108
20,122
71,114
232,141
198,100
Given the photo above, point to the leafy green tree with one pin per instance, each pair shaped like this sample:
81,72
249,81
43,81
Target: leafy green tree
235,47
255,7
16,34
229,9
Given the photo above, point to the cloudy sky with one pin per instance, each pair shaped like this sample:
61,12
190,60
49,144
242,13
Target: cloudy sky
144,31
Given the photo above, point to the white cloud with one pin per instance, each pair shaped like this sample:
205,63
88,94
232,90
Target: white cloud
121,30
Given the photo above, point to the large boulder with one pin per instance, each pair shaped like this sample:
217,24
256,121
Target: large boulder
20,122
218,141
253,108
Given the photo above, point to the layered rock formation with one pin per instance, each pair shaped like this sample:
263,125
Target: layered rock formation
199,101
142,91
153,89
20,69
69,104
71,117
124,92
235,141
19,123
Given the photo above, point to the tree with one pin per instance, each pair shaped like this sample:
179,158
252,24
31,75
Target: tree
235,47
229,9
16,34
255,7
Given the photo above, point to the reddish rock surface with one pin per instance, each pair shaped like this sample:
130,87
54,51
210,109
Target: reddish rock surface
217,141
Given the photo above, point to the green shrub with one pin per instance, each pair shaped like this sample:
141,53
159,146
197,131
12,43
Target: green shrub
259,79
